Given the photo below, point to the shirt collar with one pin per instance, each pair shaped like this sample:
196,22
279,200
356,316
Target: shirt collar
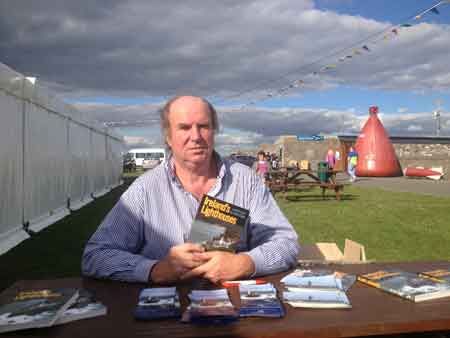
221,165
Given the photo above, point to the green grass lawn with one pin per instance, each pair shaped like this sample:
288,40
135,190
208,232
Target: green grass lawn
392,226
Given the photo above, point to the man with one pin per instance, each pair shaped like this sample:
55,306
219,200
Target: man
143,238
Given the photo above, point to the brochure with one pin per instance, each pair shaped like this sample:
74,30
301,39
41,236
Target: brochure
259,301
35,308
156,303
318,279
441,275
86,306
407,285
210,306
326,299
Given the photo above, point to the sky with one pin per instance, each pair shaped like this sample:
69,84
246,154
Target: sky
270,67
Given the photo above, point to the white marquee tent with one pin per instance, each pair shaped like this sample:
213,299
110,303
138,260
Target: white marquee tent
52,158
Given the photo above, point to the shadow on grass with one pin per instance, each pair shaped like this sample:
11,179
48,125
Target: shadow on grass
319,198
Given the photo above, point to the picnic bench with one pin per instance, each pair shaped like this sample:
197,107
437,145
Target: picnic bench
284,180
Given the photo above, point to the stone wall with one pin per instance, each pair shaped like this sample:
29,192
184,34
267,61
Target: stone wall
414,155
313,151
424,155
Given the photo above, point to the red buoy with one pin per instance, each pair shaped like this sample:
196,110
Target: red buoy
376,155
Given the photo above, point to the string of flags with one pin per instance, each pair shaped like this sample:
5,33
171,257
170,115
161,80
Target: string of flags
344,55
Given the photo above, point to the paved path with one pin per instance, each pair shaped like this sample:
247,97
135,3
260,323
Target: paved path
406,184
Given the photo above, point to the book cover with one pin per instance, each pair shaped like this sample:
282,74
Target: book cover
441,275
156,303
218,224
407,285
312,298
35,308
259,301
86,306
318,279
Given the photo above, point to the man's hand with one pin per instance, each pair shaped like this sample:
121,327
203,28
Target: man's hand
222,266
180,259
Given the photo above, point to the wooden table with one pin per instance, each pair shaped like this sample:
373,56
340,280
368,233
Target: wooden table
285,180
374,313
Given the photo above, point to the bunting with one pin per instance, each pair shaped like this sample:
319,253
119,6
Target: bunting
346,55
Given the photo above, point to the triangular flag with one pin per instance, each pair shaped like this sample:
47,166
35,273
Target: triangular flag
434,10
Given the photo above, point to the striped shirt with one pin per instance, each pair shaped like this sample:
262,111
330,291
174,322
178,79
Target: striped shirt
156,213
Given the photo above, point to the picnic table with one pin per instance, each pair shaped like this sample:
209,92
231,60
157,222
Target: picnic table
373,312
286,179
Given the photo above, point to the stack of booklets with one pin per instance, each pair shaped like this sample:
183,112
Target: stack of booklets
317,288
408,285
47,307
218,224
260,301
157,303
210,307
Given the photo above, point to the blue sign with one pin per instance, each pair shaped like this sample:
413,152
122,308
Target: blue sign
311,138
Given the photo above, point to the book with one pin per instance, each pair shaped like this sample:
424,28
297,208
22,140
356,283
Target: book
312,298
259,300
35,308
441,275
86,306
323,279
407,285
210,307
218,224
156,303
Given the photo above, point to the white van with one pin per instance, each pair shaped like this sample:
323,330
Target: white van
139,154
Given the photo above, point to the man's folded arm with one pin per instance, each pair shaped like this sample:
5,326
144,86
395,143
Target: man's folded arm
113,250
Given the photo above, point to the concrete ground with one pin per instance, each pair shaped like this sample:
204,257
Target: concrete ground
404,184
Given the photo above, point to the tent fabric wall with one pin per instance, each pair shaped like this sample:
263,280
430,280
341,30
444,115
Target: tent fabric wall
52,158
11,204
45,166
80,189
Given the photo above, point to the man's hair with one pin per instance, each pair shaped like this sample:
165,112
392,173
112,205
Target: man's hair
164,116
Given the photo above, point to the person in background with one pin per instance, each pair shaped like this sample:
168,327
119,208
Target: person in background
274,162
144,238
330,159
262,165
352,161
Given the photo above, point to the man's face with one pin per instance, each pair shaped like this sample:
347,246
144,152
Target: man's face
190,135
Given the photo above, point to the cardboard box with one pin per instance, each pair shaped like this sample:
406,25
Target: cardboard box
304,165
354,253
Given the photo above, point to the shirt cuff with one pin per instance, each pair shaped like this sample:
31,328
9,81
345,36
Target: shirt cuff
258,259
142,270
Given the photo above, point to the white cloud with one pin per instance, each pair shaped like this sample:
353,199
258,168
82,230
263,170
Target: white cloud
219,48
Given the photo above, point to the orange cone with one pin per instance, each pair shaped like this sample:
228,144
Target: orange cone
376,155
